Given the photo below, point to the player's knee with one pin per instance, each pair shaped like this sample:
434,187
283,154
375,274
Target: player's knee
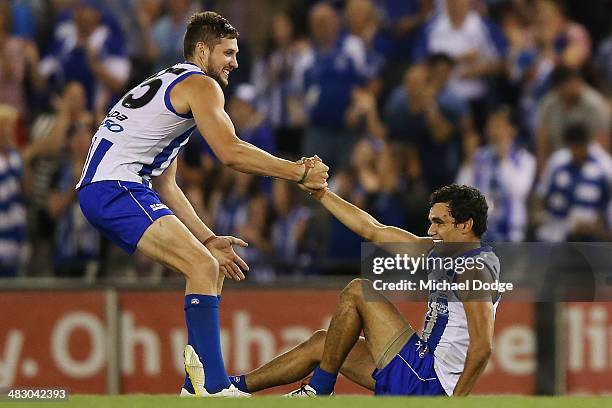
203,267
318,338
354,291
316,343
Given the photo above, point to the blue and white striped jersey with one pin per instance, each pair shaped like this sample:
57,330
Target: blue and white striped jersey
142,133
506,184
575,194
446,329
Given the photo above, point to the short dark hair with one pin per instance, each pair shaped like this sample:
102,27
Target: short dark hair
504,110
207,27
576,134
464,202
562,74
440,57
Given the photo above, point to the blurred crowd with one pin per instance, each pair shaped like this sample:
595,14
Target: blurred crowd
398,97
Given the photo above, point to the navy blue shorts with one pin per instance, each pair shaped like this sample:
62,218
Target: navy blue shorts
410,372
121,210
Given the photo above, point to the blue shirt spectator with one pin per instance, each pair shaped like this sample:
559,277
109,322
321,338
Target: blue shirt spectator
77,242
329,76
89,48
413,114
363,20
575,191
330,69
400,19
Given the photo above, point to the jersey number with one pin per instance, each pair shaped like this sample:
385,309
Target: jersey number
154,84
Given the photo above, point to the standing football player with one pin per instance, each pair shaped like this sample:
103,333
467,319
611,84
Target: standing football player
128,187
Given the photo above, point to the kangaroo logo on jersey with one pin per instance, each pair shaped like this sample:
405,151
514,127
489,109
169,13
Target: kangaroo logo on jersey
112,126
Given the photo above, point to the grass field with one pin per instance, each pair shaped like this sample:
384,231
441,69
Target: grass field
164,401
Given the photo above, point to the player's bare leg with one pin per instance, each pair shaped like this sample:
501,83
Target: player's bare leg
360,308
297,363
169,242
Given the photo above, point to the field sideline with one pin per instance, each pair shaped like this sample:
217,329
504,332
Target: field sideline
165,401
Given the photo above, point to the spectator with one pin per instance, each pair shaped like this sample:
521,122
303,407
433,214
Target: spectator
603,65
475,43
18,61
12,211
388,204
570,101
273,76
251,126
138,28
77,243
574,191
328,72
341,242
401,18
289,229
562,41
541,39
233,194
42,159
504,172
426,114
363,21
89,48
49,132
390,182
168,33
253,224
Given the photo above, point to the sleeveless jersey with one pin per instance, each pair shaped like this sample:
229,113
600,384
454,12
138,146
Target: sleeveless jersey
445,330
142,133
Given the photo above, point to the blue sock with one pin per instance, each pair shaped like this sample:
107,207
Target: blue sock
187,383
322,381
202,318
239,382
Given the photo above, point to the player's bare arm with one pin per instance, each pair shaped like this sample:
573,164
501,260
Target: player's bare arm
479,314
220,247
362,223
204,97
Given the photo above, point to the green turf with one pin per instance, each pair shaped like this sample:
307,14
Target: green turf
150,401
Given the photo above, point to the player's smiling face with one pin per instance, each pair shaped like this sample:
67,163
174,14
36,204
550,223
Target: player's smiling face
222,61
444,227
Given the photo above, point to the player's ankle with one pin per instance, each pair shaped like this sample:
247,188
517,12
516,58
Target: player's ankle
323,382
239,382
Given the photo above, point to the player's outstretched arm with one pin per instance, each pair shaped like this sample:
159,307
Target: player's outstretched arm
206,101
362,223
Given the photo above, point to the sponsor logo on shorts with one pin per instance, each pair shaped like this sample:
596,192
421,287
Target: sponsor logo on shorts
158,206
195,301
422,348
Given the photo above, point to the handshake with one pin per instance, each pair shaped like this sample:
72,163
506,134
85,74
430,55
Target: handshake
314,180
